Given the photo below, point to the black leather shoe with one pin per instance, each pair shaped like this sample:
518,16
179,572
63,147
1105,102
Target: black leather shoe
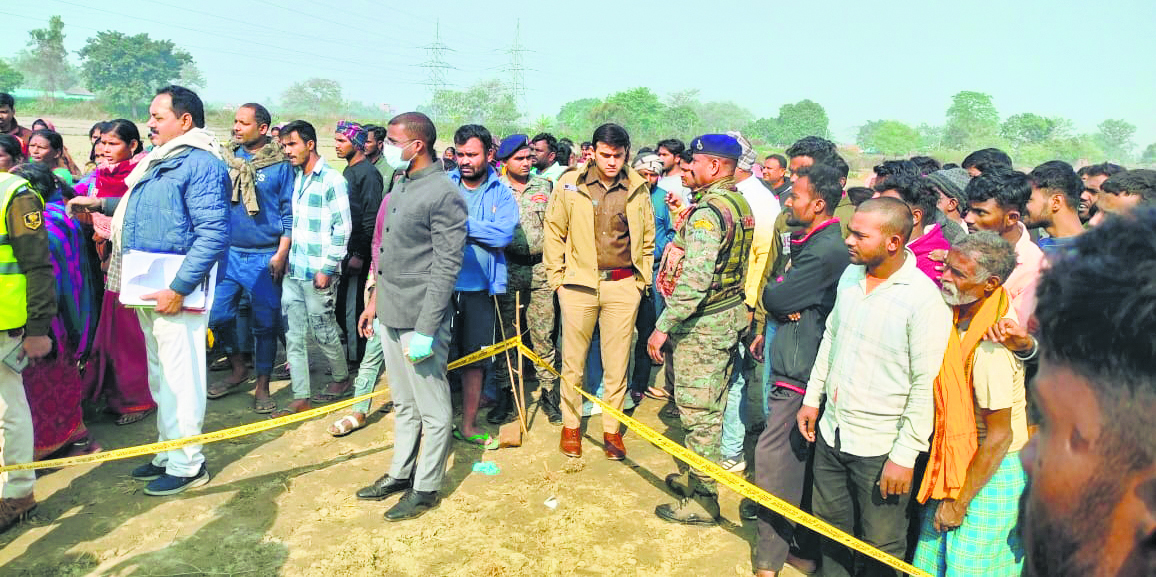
413,504
382,488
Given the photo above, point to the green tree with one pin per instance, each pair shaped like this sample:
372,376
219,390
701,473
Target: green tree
10,78
126,70
715,117
638,110
191,76
1027,128
1115,137
803,118
930,137
317,96
44,62
489,103
1149,155
576,118
889,137
972,121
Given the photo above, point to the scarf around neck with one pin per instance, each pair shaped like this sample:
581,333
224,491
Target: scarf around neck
955,440
243,173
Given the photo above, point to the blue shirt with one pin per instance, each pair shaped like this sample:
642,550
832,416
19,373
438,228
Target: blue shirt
274,219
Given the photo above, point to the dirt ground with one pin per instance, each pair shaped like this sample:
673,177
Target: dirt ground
282,503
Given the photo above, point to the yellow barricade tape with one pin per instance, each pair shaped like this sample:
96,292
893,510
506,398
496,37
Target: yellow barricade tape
737,483
241,431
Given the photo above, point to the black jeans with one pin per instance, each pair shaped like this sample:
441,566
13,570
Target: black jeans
846,495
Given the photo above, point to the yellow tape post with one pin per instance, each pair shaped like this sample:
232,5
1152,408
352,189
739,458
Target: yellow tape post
241,431
737,483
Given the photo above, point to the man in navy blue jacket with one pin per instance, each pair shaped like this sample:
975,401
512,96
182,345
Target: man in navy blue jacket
261,223
178,203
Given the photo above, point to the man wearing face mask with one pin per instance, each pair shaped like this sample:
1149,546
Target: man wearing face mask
702,278
424,235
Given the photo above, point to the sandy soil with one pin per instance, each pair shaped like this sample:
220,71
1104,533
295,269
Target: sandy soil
282,503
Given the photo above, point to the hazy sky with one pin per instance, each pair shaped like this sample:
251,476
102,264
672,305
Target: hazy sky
862,60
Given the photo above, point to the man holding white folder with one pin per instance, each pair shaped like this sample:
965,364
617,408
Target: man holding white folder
178,203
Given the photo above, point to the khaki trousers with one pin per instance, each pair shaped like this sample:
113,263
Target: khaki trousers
613,307
15,427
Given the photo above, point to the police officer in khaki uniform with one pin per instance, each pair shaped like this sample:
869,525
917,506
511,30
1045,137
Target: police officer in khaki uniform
27,306
702,278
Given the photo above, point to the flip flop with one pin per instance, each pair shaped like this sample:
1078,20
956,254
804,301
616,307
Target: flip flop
221,389
264,406
480,439
344,426
326,397
135,416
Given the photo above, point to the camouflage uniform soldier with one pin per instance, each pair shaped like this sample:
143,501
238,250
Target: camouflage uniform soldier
526,276
702,276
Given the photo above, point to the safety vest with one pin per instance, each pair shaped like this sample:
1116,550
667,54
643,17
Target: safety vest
13,284
730,268
730,272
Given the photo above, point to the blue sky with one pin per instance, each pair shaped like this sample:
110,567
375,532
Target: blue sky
862,60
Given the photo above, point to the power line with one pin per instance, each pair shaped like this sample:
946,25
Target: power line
436,67
248,41
517,68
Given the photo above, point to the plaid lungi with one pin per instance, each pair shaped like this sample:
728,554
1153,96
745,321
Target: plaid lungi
988,542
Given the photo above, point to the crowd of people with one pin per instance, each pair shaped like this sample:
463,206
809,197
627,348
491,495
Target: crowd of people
897,359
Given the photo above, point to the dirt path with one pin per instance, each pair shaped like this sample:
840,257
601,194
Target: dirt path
282,503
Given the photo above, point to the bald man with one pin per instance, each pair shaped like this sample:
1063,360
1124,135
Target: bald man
881,351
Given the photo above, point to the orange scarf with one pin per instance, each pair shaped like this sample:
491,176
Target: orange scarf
956,441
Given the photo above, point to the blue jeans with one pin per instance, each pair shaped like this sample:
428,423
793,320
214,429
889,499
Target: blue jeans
247,274
734,428
772,328
370,369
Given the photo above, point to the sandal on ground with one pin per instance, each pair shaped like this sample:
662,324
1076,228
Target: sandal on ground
222,388
135,416
264,406
286,412
670,411
221,364
345,425
280,372
327,397
480,439
657,394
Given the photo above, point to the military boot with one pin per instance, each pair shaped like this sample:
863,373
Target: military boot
548,402
503,409
701,508
679,484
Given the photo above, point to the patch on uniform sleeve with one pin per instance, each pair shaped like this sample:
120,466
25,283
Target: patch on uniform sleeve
34,220
539,198
703,224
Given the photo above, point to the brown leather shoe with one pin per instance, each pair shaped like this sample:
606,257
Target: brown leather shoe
615,450
571,444
13,509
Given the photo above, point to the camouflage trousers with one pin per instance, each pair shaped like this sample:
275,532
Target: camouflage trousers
538,320
704,354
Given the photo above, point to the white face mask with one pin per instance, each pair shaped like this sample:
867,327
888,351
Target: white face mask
392,155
